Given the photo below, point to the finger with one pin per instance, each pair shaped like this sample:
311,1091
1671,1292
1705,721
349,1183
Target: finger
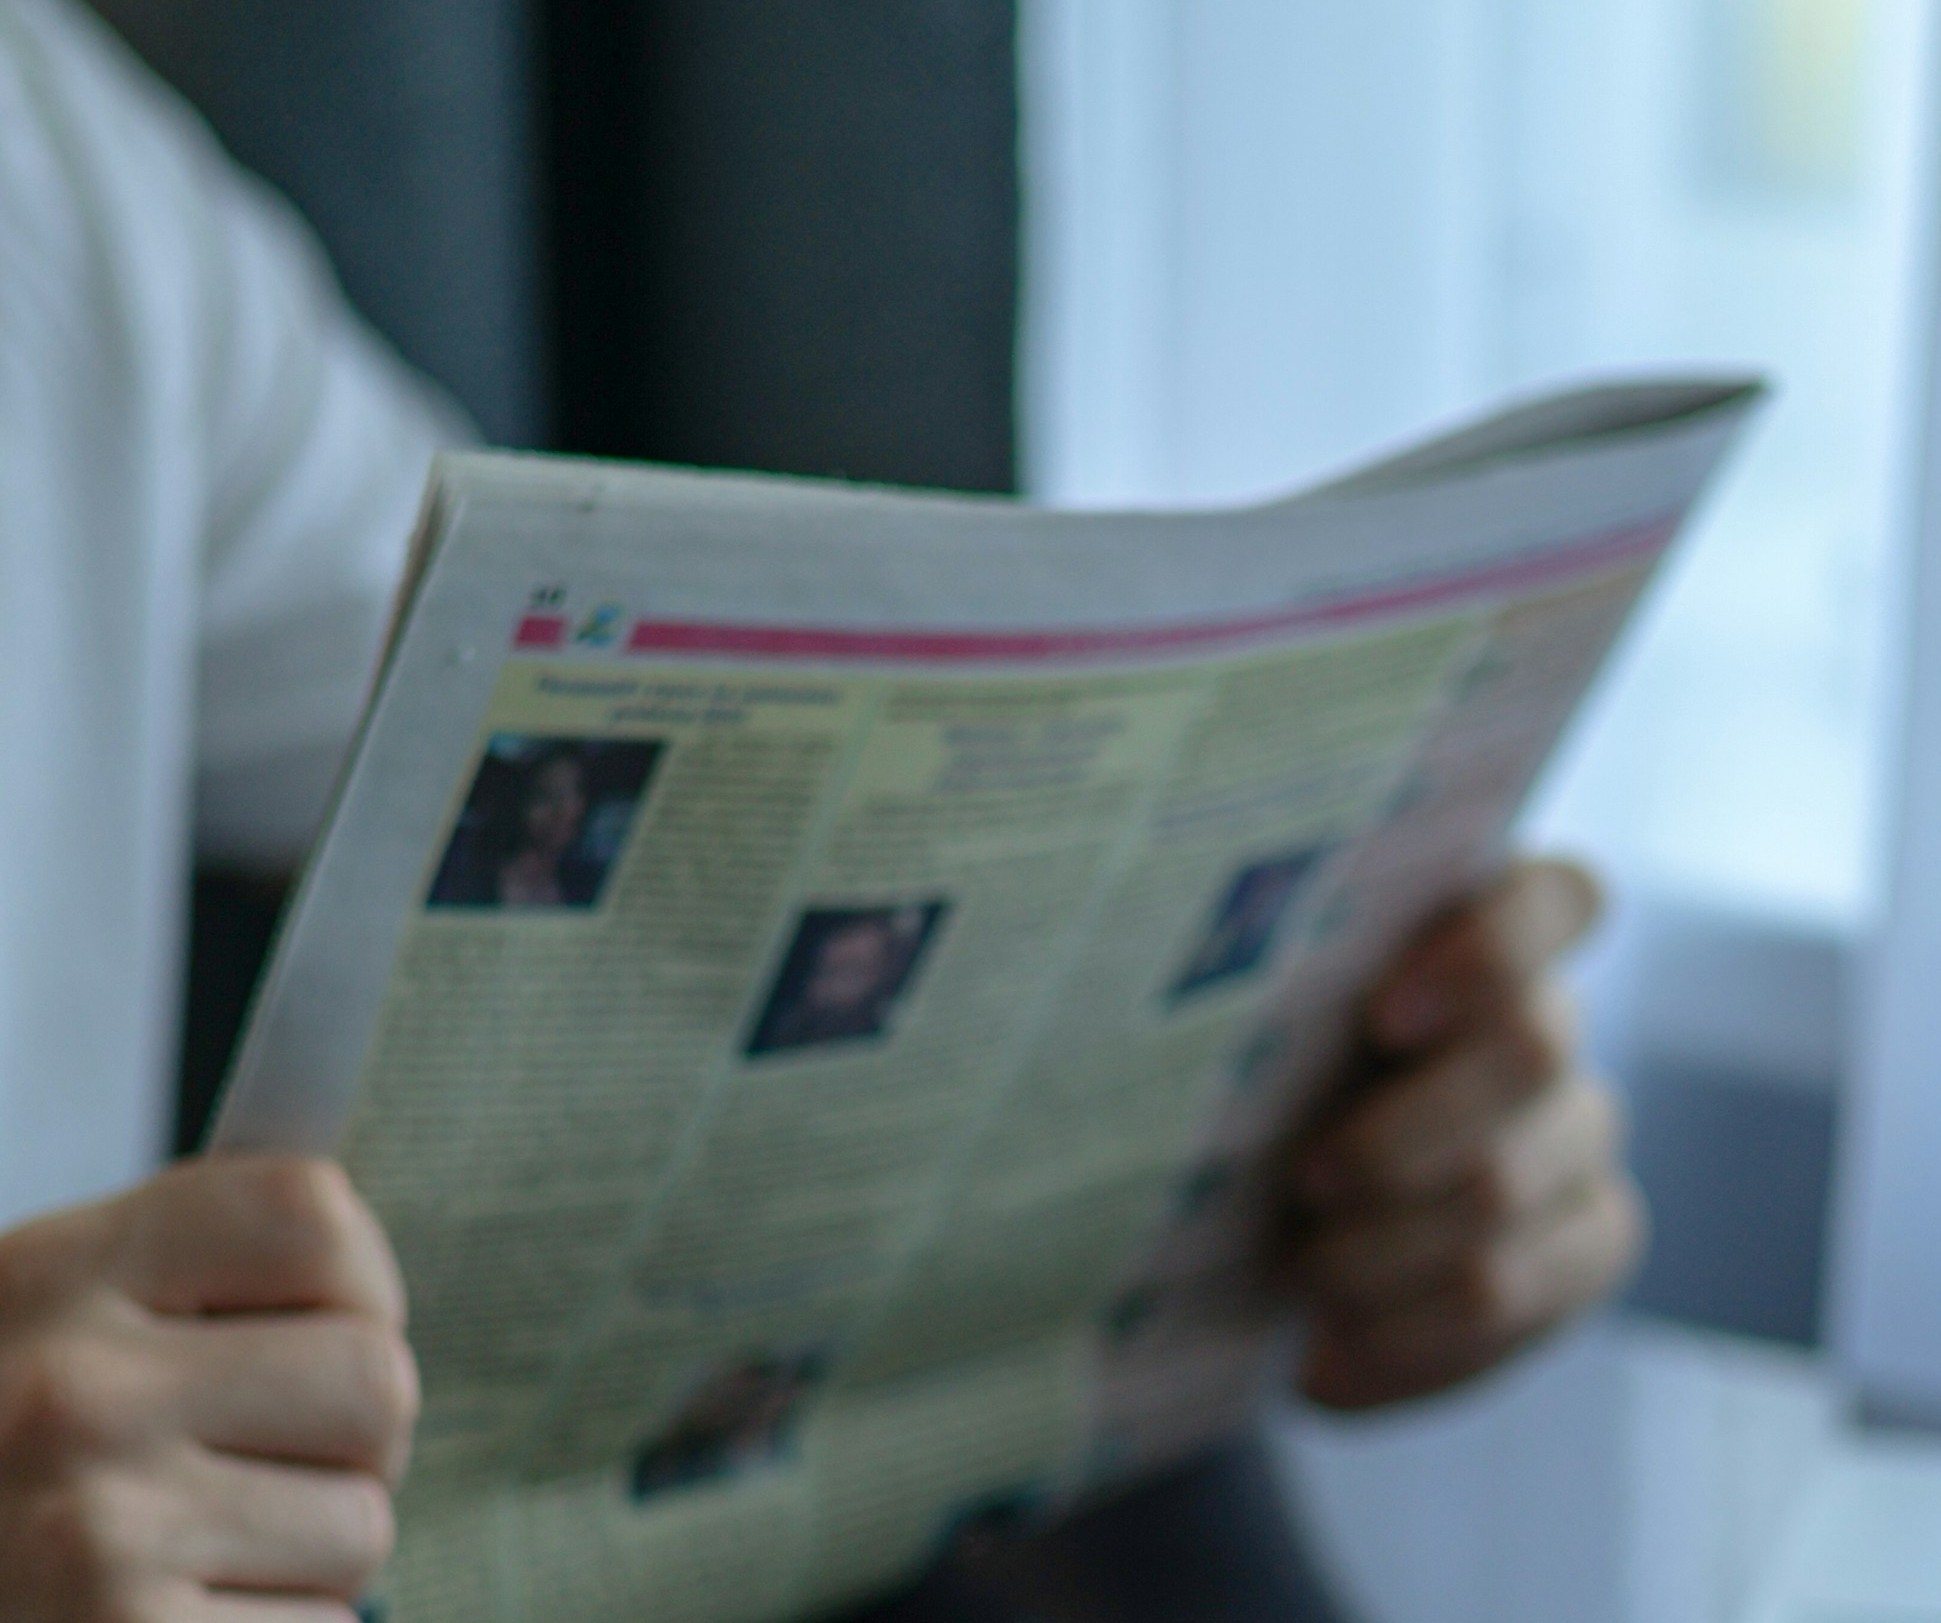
1557,1263
1552,1265
284,1530
219,1608
1414,1135
1371,1259
320,1389
1558,1141
1364,1264
197,1604
1482,953
1525,1285
1337,1373
255,1234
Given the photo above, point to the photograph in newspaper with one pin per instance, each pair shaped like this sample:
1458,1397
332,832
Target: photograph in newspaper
543,822
845,972
741,1416
1241,937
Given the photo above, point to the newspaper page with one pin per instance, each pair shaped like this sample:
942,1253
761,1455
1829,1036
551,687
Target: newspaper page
814,980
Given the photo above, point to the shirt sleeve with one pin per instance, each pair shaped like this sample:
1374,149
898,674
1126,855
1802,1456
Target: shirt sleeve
315,441
319,442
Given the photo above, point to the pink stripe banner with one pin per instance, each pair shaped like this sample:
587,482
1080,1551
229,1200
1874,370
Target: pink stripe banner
1531,571
541,631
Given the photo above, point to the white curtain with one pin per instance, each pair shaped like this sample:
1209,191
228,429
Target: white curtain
1887,1296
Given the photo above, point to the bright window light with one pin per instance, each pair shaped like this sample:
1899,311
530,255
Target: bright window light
1737,179
1266,237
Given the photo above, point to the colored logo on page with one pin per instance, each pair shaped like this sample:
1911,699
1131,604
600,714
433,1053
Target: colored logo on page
601,628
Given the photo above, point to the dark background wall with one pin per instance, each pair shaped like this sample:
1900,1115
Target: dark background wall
405,131
786,235
729,232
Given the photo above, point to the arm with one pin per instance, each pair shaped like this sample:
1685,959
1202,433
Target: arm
1468,1194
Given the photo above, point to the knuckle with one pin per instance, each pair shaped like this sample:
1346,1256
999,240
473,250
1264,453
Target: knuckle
1495,1190
132,1606
311,1203
25,1267
370,1529
1613,1119
16,1274
1597,1128
121,1606
309,1193
1579,897
1558,1009
1631,1216
1537,1044
1547,906
1468,953
1485,1304
386,1379
72,1537
120,1602
1493,940
60,1399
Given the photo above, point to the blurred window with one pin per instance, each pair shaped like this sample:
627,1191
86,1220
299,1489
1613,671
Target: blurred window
1266,238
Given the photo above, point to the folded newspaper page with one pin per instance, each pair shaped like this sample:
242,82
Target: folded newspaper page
814,979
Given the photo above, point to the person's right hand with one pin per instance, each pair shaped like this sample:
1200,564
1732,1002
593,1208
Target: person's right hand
205,1400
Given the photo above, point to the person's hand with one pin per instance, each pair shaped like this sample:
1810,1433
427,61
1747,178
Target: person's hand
205,1399
1466,1194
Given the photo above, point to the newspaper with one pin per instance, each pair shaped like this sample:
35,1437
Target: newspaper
814,979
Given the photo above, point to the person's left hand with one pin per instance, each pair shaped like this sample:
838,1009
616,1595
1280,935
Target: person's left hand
1468,1194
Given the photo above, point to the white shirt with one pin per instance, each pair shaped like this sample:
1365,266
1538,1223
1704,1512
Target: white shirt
208,473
